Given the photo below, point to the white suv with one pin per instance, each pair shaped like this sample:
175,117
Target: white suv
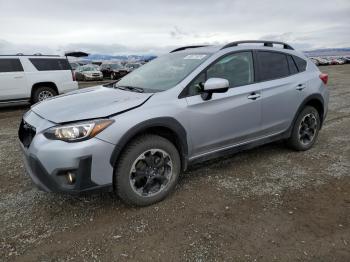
30,79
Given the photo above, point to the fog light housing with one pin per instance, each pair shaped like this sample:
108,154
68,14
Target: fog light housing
71,177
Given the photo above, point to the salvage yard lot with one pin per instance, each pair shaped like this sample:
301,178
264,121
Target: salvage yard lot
265,204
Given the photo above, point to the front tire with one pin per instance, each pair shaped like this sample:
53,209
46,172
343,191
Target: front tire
147,170
305,129
42,93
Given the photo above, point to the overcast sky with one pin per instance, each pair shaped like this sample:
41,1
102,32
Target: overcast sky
156,26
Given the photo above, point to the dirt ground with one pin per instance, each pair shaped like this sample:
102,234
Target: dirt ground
265,204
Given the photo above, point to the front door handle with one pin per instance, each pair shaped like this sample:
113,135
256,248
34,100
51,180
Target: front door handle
18,77
254,96
300,87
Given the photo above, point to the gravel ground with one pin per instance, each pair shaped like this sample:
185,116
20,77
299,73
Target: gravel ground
265,204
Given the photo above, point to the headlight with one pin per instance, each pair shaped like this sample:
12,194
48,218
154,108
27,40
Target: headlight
78,131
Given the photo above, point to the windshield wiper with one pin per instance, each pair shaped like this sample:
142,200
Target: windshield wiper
131,88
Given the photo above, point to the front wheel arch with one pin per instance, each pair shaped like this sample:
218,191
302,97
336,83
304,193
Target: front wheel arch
167,127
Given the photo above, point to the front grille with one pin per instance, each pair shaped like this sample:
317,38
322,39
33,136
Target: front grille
95,74
26,133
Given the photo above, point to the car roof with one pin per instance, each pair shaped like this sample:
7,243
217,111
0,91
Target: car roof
241,45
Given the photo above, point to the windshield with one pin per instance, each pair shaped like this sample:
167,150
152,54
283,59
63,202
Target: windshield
164,72
133,65
115,66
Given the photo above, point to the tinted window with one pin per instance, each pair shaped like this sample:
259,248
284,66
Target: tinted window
272,65
301,63
237,68
10,65
47,64
292,67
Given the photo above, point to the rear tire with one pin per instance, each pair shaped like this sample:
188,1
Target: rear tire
42,93
305,129
147,170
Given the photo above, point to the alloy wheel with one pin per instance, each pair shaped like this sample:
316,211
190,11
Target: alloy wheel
45,94
151,172
308,129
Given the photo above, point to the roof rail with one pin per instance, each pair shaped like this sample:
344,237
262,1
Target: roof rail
266,43
186,47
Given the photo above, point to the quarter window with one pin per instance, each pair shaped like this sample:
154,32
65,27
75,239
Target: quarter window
292,67
10,65
237,68
301,63
50,64
272,65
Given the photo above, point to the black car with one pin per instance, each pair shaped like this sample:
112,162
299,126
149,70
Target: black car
113,71
133,66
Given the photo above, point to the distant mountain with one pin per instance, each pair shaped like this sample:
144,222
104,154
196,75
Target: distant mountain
329,52
100,57
316,52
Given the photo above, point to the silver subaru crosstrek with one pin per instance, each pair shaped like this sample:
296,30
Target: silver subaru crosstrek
136,135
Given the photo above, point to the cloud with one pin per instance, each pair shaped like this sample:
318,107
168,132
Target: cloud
116,26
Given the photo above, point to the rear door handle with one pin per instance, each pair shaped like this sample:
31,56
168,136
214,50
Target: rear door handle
300,87
254,96
18,77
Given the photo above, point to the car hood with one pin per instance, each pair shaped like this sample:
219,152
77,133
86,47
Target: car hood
89,103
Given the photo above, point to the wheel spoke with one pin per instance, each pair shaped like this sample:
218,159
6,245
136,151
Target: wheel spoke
161,179
149,160
139,174
148,186
159,162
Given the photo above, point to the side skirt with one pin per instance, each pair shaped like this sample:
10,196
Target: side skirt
239,148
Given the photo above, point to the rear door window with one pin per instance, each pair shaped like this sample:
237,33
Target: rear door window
272,65
49,64
10,65
301,63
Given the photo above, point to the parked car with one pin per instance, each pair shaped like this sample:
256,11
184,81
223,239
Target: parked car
113,71
337,61
88,72
135,136
323,61
315,61
30,79
132,66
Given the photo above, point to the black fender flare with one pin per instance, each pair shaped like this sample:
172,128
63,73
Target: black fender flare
167,122
301,107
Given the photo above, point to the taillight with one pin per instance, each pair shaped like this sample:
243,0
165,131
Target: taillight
324,78
73,75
